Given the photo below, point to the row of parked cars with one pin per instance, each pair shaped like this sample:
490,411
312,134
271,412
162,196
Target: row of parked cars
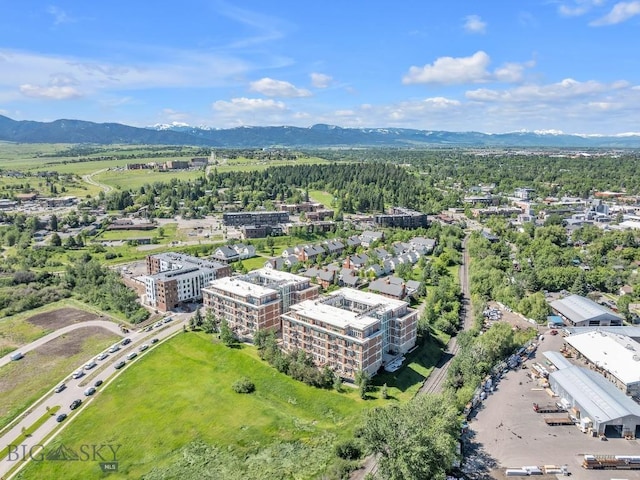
93,363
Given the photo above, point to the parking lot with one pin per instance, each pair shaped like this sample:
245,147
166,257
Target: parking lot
506,432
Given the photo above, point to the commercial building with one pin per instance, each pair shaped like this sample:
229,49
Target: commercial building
236,219
351,330
580,311
256,300
174,278
615,356
598,406
402,217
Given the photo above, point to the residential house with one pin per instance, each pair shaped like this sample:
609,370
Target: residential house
369,237
424,246
356,262
334,247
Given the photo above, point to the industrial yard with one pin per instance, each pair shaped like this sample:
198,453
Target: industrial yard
506,431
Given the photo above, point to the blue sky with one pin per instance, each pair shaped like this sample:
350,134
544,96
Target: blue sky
489,66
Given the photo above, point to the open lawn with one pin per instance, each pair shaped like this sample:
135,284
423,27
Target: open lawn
323,197
254,263
25,381
181,392
134,179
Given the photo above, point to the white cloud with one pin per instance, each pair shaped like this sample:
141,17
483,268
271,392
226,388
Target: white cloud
320,80
473,69
277,88
51,92
449,70
474,24
621,12
243,105
177,69
578,7
545,94
59,15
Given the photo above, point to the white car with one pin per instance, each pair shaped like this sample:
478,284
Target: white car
90,365
78,374
102,356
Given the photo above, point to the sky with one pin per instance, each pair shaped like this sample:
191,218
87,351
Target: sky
495,66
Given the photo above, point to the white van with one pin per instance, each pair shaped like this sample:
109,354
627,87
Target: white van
17,356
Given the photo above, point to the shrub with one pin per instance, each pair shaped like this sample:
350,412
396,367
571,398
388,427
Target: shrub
348,450
243,385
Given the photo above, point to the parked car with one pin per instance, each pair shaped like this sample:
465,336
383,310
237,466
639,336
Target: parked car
149,328
75,404
17,356
114,348
168,319
89,391
78,374
119,365
98,383
60,388
158,324
143,347
61,417
102,356
90,365
126,341
132,355
154,340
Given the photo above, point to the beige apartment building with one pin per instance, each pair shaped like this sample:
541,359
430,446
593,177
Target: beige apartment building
351,330
256,300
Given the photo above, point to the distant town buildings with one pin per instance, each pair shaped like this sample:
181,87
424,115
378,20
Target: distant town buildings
350,330
403,218
237,219
174,278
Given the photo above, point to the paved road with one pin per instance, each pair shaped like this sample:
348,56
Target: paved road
69,328
89,179
75,388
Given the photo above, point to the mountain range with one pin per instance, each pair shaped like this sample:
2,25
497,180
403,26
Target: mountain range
80,131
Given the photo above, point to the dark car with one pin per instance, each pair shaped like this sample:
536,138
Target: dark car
61,417
126,341
98,383
154,340
119,365
75,404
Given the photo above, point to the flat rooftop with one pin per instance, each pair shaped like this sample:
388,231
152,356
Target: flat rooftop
274,276
617,354
237,286
332,311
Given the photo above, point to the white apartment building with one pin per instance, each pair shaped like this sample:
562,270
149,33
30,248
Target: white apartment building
351,330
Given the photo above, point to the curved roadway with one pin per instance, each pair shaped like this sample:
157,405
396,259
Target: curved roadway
89,179
112,327
74,390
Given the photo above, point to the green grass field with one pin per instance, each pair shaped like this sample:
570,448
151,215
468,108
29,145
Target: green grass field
323,197
181,392
25,381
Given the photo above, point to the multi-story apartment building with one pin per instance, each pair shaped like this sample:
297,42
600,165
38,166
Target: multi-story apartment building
235,219
350,330
256,300
174,278
402,217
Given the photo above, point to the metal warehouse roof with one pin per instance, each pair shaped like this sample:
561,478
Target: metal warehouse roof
599,398
617,354
580,309
633,332
557,359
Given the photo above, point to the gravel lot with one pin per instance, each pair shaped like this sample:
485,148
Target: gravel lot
506,432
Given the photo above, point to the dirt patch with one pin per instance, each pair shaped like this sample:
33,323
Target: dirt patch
26,380
62,317
513,318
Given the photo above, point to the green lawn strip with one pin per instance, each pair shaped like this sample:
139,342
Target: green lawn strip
404,383
29,431
322,197
29,379
181,392
254,262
